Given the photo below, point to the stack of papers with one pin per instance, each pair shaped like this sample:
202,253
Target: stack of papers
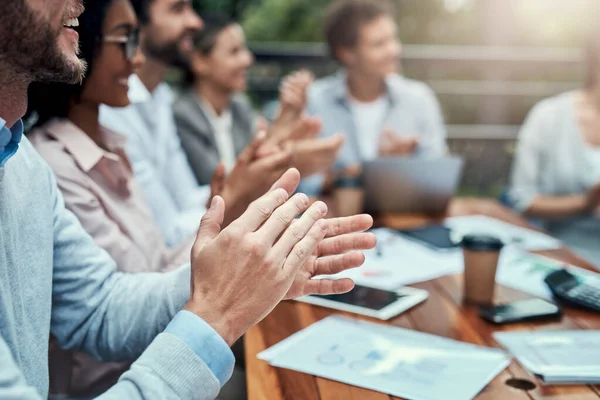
509,234
564,357
398,261
388,359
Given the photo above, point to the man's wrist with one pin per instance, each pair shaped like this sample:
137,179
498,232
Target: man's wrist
216,320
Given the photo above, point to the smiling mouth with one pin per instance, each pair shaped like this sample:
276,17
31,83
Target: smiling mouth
71,23
71,16
123,82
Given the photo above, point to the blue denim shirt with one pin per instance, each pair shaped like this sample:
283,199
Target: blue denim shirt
56,280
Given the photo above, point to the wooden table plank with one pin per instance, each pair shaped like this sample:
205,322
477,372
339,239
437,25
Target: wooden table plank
261,378
332,390
283,321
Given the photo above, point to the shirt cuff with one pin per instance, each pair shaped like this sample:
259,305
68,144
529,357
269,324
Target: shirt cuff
205,342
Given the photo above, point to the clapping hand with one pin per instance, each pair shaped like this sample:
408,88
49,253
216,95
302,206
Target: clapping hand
240,273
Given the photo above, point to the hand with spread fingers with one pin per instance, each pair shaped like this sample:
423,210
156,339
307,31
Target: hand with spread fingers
339,251
240,273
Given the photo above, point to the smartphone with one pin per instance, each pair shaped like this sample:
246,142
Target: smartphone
520,311
437,237
376,303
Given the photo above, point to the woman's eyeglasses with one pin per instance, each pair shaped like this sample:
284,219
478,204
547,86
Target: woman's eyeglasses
130,42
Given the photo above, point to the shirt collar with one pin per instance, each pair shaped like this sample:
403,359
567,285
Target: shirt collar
138,93
341,94
225,118
9,140
86,153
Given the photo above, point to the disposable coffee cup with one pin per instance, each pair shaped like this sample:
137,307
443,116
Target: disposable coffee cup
349,196
481,255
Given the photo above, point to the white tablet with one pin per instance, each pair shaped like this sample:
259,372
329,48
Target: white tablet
376,303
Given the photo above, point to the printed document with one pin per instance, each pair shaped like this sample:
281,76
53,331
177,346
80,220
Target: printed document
399,362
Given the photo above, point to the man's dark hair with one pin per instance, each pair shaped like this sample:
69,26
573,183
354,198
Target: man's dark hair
142,10
53,100
344,19
206,38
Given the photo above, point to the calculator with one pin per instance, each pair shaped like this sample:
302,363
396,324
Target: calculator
569,289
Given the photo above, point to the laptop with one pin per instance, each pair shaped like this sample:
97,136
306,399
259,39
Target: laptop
411,185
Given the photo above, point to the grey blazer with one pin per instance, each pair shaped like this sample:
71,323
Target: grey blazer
197,133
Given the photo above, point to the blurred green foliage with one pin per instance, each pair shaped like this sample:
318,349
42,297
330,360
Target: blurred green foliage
232,8
555,23
284,20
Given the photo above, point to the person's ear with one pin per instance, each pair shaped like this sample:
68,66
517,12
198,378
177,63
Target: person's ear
200,64
346,55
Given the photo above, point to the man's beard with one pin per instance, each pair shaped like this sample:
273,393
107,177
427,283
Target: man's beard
168,53
35,52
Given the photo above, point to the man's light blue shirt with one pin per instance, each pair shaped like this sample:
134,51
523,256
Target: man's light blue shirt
159,163
9,140
56,280
412,110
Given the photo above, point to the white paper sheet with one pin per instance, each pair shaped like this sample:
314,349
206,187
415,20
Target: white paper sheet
398,261
560,356
526,272
509,234
388,359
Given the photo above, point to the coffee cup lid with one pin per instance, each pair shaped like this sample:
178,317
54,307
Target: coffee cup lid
481,243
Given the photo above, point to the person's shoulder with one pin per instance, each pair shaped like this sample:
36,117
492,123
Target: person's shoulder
551,111
404,87
49,148
27,152
546,119
184,105
241,100
28,170
242,104
325,85
54,154
555,104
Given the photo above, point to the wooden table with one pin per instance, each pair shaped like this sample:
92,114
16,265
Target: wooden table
442,314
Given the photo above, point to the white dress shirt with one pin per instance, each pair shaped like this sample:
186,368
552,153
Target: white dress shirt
223,127
553,159
160,166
